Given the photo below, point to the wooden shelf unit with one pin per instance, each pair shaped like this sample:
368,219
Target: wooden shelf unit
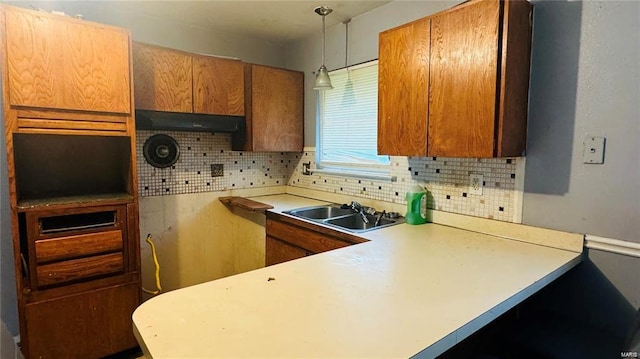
71,163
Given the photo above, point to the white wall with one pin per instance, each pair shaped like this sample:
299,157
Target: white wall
175,35
585,78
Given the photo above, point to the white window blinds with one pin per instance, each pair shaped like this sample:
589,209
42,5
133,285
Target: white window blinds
348,120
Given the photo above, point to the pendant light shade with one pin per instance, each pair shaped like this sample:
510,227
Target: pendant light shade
323,81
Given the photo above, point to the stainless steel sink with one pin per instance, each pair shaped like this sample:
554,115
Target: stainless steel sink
320,212
355,222
344,218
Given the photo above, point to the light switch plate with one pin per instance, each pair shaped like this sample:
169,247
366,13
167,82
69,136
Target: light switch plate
593,150
475,183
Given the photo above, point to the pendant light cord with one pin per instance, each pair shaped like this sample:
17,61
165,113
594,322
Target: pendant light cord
323,34
346,42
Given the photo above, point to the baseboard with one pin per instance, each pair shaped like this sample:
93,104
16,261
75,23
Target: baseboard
617,246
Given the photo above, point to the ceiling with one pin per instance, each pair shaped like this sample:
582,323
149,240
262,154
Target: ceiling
280,21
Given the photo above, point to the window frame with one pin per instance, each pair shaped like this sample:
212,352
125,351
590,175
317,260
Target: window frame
354,169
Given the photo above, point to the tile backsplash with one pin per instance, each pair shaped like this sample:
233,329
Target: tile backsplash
446,179
192,172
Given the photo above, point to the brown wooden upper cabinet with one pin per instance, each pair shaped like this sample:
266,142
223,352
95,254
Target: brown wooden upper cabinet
218,86
175,81
274,104
455,84
62,63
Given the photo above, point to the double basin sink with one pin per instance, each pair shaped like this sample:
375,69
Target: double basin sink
337,216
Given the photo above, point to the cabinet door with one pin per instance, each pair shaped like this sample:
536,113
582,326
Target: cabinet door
276,105
277,252
403,68
218,86
162,79
463,80
57,62
86,325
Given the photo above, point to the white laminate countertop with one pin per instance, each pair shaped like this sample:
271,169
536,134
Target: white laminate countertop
410,291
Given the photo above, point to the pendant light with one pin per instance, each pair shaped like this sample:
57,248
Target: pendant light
323,82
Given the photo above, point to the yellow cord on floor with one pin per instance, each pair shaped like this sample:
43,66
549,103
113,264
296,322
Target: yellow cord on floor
157,265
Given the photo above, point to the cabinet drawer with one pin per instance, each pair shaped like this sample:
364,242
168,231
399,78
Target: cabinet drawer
303,238
70,247
76,269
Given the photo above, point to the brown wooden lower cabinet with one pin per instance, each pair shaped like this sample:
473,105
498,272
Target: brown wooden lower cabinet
278,251
85,325
289,239
80,281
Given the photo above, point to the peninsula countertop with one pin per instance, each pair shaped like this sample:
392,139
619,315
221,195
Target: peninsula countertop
410,291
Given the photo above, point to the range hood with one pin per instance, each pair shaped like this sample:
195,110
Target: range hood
176,121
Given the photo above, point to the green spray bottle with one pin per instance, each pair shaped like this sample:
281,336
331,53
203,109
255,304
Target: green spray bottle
416,205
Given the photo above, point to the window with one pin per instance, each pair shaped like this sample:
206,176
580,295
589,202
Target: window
348,123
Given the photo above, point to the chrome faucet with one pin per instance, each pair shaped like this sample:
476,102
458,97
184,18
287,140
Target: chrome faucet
357,207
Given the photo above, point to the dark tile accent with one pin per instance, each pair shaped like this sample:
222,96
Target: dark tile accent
188,147
397,194
186,182
379,187
198,172
437,170
501,209
146,188
464,194
415,173
364,189
448,197
204,154
164,180
513,175
508,160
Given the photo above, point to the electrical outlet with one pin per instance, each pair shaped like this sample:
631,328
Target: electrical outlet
217,170
476,183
